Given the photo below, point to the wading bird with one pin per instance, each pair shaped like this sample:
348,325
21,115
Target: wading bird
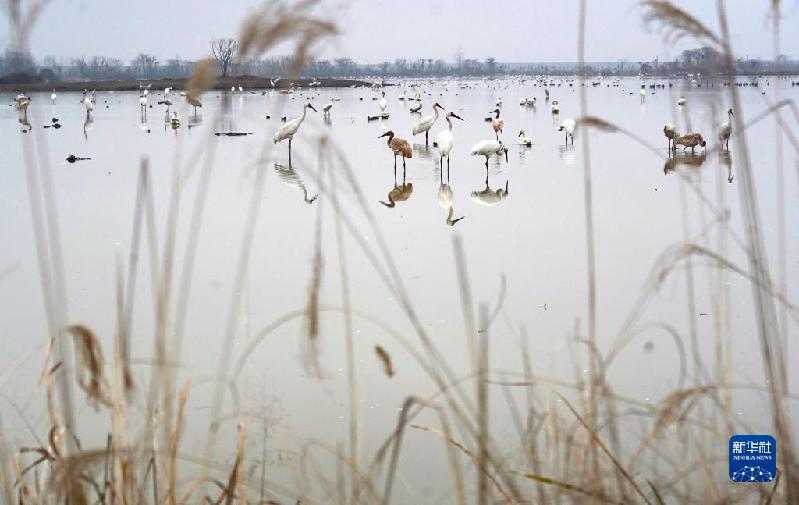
726,130
288,130
497,124
416,107
382,103
326,108
444,139
489,148
53,96
21,103
555,107
524,139
398,146
427,122
671,133
568,126
88,102
194,102
690,140
682,101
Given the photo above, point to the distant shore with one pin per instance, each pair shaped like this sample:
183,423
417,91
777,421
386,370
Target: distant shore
247,82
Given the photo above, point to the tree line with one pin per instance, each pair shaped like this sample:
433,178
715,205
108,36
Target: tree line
704,60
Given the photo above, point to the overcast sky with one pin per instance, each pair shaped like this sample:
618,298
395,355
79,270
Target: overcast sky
378,30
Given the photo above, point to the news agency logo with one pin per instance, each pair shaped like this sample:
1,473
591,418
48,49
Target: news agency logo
753,458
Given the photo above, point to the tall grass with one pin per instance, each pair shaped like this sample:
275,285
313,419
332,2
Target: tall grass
575,440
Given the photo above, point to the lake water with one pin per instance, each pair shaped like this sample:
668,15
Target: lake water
527,247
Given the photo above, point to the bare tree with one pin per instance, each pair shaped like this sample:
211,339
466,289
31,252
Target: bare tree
224,51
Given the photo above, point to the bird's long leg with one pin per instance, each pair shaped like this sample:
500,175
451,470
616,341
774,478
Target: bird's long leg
403,164
395,163
425,138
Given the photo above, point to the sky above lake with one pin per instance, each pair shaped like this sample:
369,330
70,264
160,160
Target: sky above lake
379,30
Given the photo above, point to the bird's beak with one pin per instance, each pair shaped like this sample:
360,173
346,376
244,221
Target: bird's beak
312,107
439,106
457,116
383,135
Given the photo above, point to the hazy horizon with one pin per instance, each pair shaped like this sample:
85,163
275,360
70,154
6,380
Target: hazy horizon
508,30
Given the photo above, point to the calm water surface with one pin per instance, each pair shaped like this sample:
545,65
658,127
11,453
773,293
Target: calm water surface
533,237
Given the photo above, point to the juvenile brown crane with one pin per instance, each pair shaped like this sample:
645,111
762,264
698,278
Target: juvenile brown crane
400,147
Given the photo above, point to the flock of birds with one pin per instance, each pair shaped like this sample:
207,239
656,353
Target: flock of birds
399,147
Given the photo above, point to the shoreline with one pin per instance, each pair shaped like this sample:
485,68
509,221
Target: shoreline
247,82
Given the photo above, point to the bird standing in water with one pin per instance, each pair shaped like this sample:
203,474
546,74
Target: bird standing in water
726,130
398,146
445,138
288,130
427,122
671,133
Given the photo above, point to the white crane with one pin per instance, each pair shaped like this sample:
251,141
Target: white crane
489,148
288,130
382,103
416,107
568,126
326,108
445,137
427,122
524,139
88,102
726,130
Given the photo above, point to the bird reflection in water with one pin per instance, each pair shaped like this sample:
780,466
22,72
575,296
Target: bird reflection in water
490,197
445,196
398,193
677,160
567,155
423,152
88,125
290,176
24,123
725,160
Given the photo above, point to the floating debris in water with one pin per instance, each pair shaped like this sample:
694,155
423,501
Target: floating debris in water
72,158
233,134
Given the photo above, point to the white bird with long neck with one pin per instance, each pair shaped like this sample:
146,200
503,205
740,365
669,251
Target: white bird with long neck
445,138
489,148
568,126
88,102
288,130
726,130
524,139
427,122
382,103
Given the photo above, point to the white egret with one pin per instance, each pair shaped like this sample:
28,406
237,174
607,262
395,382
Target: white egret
445,138
427,122
288,130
